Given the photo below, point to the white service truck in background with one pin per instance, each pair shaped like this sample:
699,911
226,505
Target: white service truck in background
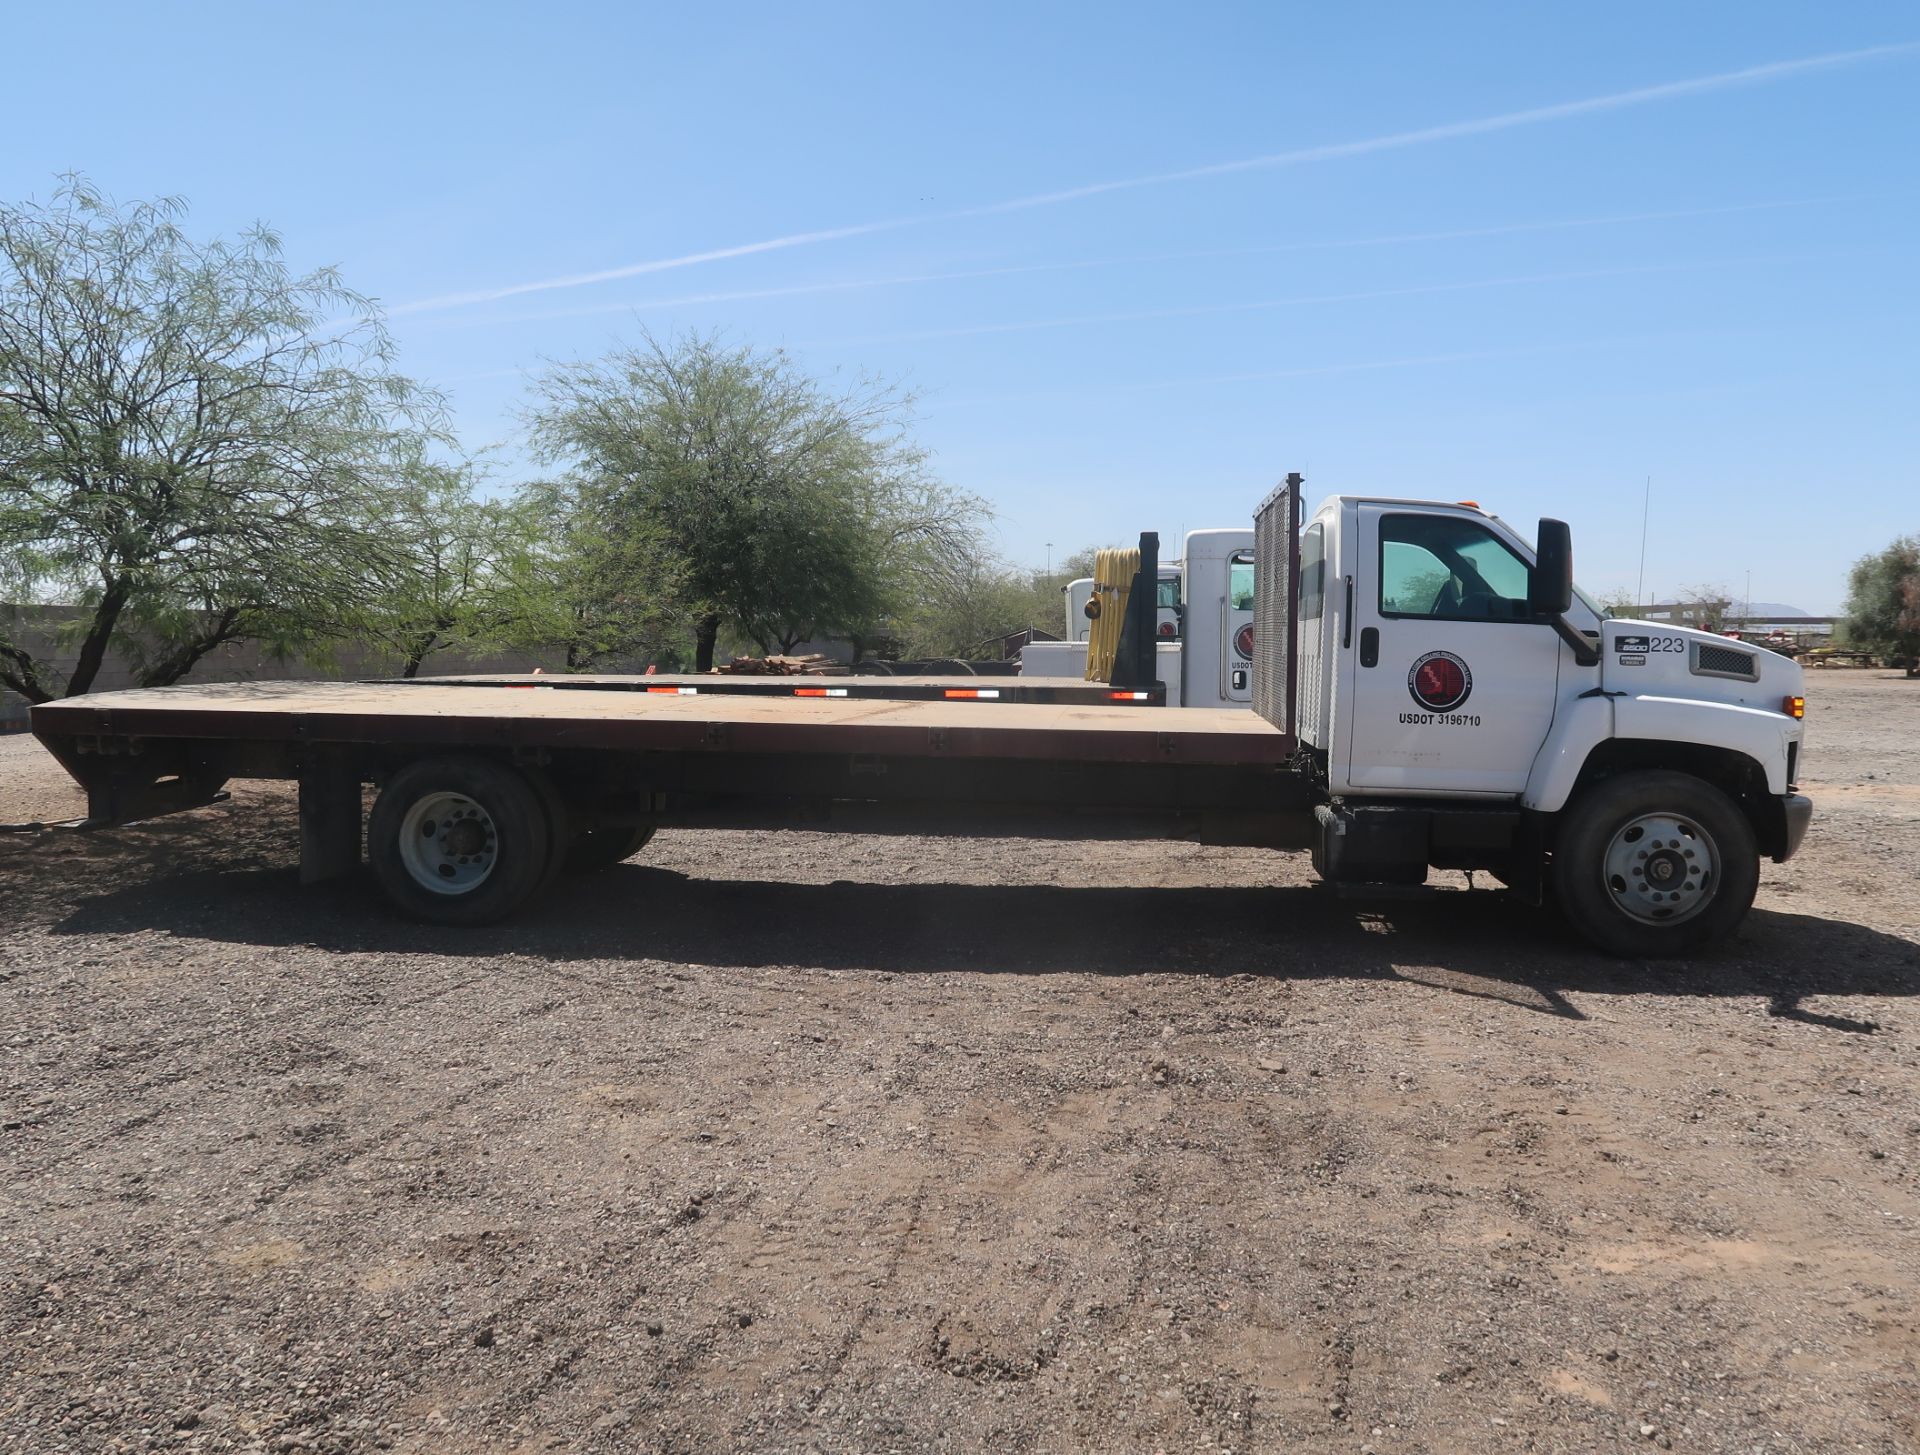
1203,624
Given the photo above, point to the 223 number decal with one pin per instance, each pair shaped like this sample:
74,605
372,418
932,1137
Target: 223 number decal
1649,644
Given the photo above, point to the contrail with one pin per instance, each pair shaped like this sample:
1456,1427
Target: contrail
660,265
1533,116
1392,141
900,280
1360,366
1264,304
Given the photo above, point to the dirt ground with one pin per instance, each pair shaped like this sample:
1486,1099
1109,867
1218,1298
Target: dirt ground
800,1142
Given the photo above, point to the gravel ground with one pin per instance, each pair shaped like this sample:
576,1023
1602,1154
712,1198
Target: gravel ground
791,1141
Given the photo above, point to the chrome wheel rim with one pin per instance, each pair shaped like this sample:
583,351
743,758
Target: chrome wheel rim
448,843
1661,868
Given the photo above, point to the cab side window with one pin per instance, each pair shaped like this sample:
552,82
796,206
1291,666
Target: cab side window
1240,585
1313,572
1450,569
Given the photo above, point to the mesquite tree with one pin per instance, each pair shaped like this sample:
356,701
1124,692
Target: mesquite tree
467,573
788,510
196,445
1883,603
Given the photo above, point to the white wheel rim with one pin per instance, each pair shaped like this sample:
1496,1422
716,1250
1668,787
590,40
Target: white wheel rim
448,843
1662,869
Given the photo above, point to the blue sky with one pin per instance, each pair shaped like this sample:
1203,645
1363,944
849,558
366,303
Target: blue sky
1525,254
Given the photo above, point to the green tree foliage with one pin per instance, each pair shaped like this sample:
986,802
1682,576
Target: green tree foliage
966,610
468,574
970,608
790,511
605,588
1883,603
193,445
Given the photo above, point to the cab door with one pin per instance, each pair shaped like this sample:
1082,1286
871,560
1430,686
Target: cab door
1453,685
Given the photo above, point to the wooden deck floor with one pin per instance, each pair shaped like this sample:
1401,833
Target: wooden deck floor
417,713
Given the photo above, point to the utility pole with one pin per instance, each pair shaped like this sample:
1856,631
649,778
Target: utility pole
1646,507
1049,561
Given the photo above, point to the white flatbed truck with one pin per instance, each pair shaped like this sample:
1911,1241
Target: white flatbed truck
1430,692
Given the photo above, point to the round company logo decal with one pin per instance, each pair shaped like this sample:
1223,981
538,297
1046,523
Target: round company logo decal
1440,682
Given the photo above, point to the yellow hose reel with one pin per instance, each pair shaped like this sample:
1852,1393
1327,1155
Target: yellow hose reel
1113,573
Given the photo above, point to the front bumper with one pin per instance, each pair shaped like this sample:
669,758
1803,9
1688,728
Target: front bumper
1797,809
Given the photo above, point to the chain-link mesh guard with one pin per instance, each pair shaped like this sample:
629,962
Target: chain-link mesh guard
1276,552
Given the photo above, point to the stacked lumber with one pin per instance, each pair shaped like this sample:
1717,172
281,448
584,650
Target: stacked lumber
814,664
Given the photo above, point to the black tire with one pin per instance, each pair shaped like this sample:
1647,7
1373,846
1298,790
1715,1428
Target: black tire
1701,864
559,827
418,831
598,849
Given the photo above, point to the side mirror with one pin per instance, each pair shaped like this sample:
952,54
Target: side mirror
1550,587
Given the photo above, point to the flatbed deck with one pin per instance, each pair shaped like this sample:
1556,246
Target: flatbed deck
1052,691
544,716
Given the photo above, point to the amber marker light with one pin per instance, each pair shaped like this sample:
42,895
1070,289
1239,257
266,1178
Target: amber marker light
1794,707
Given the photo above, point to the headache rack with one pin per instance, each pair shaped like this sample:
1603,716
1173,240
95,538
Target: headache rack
1276,564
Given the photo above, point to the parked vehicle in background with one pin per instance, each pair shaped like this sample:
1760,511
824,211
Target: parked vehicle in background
1205,631
1166,602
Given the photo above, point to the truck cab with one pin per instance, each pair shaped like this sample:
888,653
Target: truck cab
1463,705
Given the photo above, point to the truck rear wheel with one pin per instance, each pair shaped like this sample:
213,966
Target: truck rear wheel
1655,863
602,848
459,841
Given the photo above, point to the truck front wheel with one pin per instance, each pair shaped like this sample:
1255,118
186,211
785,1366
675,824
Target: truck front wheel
459,841
1655,863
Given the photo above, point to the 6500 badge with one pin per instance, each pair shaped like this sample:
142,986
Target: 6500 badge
1440,683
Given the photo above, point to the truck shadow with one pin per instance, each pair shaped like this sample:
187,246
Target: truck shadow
1484,943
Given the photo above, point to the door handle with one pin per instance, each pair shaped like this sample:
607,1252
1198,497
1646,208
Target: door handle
1370,646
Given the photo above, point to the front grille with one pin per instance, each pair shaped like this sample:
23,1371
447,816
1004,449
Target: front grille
1712,660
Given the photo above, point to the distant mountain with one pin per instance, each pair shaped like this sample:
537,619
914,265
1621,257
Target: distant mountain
1770,608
